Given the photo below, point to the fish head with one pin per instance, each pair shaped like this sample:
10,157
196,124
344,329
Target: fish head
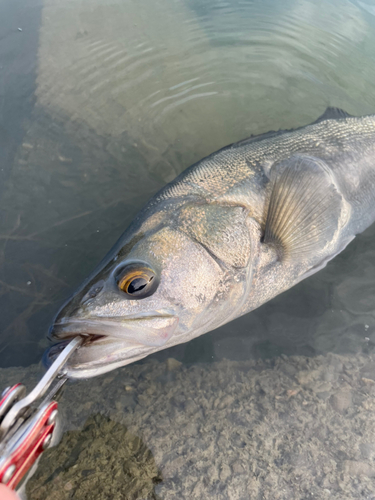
165,282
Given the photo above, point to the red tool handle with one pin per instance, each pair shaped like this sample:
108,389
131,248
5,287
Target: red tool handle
28,446
7,393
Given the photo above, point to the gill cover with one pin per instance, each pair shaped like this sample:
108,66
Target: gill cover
222,230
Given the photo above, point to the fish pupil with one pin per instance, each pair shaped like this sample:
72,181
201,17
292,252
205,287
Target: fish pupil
137,285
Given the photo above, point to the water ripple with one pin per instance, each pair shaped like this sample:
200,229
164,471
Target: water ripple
194,87
242,50
186,99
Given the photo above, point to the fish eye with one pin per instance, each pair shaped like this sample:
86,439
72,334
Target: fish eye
137,281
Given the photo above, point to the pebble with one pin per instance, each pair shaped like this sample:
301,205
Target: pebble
341,401
173,364
237,468
225,472
226,402
357,468
368,381
108,380
367,450
322,387
87,406
68,486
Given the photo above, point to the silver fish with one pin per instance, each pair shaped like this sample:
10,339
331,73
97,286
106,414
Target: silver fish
228,234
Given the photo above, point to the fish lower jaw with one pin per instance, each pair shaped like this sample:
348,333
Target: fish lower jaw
89,371
102,355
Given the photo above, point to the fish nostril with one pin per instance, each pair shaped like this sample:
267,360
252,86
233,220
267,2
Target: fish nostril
93,292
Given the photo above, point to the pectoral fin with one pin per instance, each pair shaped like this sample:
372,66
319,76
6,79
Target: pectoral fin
304,209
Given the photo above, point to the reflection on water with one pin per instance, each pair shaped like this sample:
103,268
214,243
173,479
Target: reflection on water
101,103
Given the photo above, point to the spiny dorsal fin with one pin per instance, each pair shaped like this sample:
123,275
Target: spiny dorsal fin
260,137
304,209
329,114
333,114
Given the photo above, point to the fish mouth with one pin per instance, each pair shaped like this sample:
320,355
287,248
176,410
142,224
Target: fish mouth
109,342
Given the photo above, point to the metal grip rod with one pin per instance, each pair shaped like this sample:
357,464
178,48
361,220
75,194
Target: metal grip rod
41,387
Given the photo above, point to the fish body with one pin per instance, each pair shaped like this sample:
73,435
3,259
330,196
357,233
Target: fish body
228,234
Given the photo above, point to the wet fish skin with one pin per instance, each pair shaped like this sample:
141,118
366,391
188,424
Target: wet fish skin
228,234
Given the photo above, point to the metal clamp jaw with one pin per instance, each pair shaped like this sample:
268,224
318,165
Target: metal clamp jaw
26,428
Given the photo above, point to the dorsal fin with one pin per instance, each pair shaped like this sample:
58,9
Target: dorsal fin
260,137
329,114
333,114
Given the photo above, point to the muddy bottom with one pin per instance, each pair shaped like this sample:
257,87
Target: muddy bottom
280,429
102,461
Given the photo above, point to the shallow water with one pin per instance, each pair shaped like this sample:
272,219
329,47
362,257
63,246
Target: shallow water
102,102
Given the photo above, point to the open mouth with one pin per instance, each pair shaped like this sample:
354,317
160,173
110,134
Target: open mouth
151,330
54,351
98,354
109,342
